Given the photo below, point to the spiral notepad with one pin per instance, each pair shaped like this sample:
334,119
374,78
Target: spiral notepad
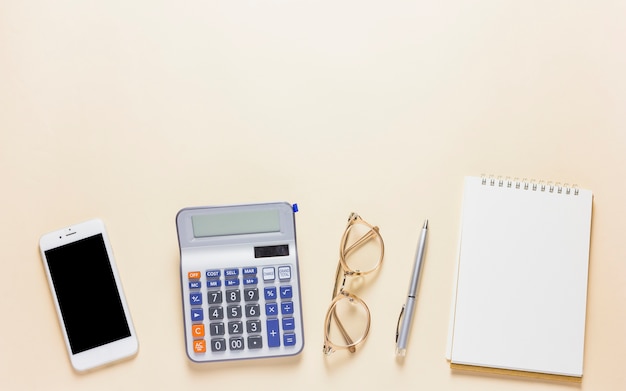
521,284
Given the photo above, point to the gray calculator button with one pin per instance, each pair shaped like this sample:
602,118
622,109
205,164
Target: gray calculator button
216,329
214,297
216,313
233,296
218,345
253,326
255,342
253,310
251,294
235,327
234,311
236,343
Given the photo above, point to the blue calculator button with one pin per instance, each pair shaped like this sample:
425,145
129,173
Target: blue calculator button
271,309
231,282
231,272
273,333
289,339
213,274
194,284
270,293
249,271
195,298
286,292
213,283
286,307
197,315
289,324
250,281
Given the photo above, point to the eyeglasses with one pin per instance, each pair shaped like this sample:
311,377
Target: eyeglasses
348,318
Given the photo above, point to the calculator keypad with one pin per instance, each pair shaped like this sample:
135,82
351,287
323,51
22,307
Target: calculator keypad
247,309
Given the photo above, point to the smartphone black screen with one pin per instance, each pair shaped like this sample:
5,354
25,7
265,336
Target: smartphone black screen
87,293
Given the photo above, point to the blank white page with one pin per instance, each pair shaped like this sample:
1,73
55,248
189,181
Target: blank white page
522,277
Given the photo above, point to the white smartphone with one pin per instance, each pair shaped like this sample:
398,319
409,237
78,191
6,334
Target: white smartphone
88,295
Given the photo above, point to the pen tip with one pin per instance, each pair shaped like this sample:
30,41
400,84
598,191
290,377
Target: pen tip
426,224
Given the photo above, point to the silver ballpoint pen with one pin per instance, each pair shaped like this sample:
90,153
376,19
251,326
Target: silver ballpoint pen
404,322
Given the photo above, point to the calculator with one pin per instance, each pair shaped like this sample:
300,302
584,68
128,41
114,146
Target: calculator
240,281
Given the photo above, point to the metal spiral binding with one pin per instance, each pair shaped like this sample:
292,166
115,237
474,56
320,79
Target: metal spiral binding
525,184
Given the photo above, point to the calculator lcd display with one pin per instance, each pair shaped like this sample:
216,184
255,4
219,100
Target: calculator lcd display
271,251
236,223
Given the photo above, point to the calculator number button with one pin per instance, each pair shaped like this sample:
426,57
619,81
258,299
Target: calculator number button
235,327
253,326
253,310
217,329
234,311
236,343
251,294
233,296
216,313
214,297
218,345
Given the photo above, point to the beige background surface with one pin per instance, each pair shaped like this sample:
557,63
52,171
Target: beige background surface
130,111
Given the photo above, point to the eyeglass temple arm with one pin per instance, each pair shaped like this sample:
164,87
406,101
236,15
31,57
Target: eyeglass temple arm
361,241
342,329
344,333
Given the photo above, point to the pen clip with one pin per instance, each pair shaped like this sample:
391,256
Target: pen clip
398,325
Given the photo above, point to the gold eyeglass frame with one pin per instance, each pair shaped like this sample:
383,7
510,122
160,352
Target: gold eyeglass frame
339,291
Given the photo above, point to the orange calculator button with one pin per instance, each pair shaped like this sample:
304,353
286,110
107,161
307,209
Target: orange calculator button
193,275
197,330
199,346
